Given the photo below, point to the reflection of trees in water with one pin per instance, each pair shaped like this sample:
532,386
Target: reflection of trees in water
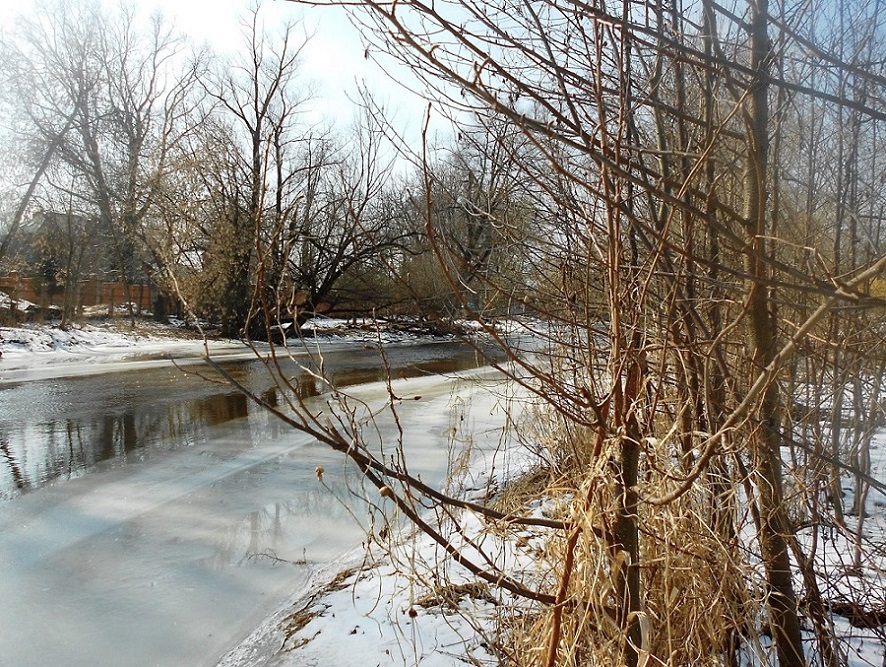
303,386
363,366
221,408
18,476
115,436
268,532
35,454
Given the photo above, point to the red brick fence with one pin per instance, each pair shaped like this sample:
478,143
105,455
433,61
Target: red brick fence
90,292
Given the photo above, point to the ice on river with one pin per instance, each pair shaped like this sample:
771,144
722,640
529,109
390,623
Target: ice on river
171,558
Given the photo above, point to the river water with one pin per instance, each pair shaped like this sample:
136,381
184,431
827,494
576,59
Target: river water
154,517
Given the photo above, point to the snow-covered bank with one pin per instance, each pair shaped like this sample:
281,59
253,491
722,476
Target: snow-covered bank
34,352
401,600
37,352
361,613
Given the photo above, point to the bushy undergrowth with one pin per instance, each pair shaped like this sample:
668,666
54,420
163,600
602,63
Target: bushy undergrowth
701,593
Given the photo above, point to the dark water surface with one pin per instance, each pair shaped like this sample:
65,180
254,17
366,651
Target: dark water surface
60,429
153,517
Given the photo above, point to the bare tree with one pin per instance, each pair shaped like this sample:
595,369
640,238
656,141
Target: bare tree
108,100
662,249
344,229
261,95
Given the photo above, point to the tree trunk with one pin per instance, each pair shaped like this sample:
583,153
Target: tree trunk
766,444
627,537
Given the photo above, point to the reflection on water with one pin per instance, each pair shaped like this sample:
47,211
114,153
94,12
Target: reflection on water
267,534
37,452
196,512
62,429
220,408
18,477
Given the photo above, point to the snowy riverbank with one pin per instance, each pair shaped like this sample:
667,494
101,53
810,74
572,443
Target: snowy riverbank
348,615
406,602
36,352
32,352
411,605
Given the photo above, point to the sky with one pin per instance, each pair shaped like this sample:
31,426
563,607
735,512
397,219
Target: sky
333,61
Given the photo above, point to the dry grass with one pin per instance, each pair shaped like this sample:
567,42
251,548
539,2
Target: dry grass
450,595
299,619
699,592
513,496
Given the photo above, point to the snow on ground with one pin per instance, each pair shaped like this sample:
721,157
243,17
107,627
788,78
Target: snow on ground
397,610
30,352
403,601
20,305
370,607
34,351
368,613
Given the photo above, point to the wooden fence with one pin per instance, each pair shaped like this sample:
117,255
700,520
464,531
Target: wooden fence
89,292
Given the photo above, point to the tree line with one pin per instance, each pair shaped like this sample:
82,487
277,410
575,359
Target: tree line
131,153
688,195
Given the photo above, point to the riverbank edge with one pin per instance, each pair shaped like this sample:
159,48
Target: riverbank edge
364,608
387,604
36,352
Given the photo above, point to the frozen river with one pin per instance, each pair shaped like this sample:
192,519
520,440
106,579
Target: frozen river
152,517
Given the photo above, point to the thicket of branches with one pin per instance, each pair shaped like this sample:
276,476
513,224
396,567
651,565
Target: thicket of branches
688,195
701,216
